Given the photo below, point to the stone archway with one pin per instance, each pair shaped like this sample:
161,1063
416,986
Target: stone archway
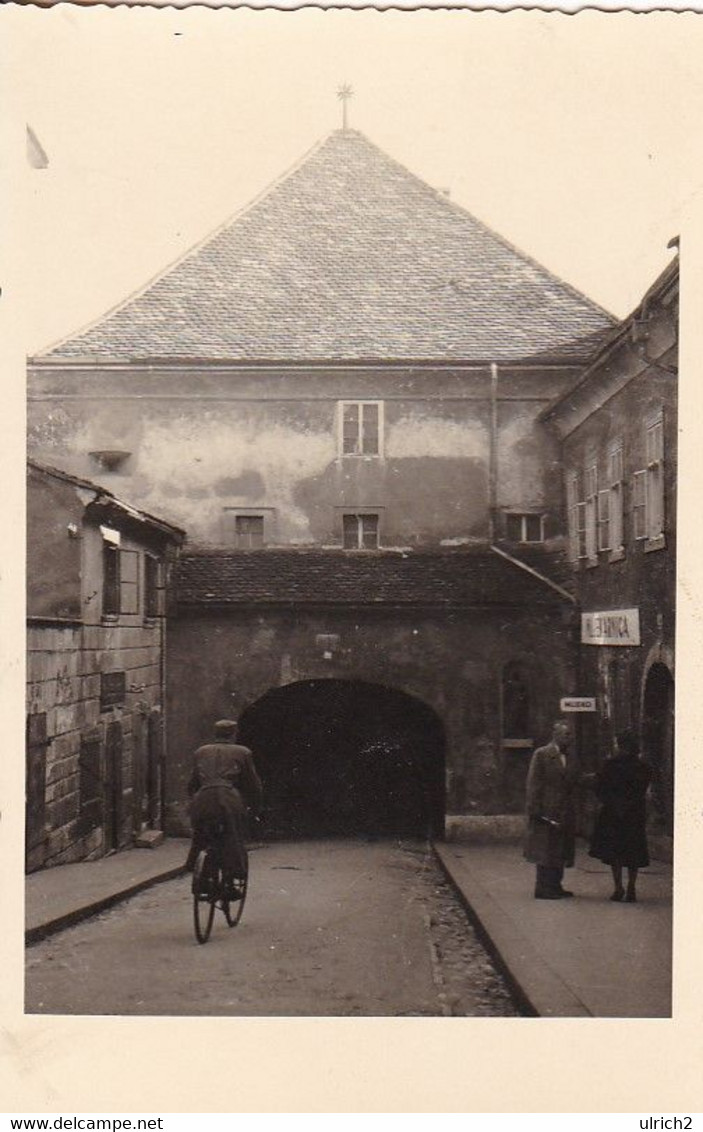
347,758
658,740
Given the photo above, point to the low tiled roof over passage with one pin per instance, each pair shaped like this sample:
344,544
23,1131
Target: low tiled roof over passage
321,577
348,256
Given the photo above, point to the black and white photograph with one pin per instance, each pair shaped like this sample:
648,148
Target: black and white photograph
352,366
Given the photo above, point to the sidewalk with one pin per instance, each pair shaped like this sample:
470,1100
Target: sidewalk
570,958
65,894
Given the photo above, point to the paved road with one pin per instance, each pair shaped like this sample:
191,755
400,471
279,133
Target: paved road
330,928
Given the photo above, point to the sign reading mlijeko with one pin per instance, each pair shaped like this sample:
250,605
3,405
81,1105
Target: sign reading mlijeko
611,627
577,703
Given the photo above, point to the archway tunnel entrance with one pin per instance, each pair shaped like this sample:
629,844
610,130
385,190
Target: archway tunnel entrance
343,758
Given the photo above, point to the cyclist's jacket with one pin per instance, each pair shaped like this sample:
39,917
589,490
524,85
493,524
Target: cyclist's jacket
222,763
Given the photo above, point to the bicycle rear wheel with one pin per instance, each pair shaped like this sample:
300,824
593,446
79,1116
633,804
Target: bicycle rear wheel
233,908
205,892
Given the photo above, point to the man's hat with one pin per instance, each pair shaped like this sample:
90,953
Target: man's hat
225,726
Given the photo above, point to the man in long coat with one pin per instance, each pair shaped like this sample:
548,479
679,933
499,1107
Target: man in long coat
552,783
223,787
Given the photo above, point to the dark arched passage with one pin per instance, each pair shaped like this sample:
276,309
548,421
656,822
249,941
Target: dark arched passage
658,740
342,757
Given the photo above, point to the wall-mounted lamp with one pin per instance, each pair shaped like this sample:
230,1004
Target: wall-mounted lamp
72,529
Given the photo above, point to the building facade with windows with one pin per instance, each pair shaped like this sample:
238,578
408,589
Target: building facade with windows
339,396
618,430
96,576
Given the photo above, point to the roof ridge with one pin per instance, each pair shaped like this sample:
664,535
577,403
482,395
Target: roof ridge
192,250
173,312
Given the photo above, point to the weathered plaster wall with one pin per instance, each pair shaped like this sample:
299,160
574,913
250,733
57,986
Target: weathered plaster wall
219,664
53,555
205,440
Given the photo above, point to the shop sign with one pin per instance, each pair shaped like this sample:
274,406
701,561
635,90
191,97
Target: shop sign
611,627
577,703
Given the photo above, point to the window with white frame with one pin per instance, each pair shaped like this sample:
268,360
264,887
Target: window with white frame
581,529
591,509
616,502
655,477
360,531
523,527
360,428
604,520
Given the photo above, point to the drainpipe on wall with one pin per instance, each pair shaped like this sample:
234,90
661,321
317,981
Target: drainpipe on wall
493,457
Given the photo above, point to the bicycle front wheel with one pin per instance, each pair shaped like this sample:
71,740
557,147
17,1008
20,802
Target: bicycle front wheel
233,908
204,895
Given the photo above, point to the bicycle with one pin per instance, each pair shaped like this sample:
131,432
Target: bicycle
211,889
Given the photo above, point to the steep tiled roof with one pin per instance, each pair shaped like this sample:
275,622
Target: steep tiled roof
329,577
349,256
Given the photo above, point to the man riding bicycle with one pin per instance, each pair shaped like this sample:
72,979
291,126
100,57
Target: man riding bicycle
223,787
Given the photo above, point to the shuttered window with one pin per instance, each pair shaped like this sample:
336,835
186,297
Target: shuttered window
129,581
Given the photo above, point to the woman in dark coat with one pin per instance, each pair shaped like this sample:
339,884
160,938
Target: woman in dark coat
619,838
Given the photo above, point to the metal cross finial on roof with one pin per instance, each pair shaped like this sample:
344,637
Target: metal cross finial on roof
344,93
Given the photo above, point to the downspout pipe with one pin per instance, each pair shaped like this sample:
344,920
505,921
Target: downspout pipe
493,457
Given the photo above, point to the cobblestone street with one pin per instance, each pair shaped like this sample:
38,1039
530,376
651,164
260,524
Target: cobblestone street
330,928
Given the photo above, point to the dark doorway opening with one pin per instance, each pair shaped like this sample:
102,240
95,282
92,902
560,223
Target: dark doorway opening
342,758
113,786
658,742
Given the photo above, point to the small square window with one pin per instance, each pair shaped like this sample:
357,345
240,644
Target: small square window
533,528
360,531
248,528
523,527
249,531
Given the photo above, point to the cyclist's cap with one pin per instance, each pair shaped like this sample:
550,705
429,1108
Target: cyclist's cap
225,726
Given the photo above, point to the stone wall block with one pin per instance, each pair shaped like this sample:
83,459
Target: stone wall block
92,637
61,788
63,811
91,686
91,713
37,667
62,769
66,717
68,689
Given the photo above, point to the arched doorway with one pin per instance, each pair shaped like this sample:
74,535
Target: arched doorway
340,758
658,741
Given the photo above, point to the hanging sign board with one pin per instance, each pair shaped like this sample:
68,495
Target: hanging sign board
577,703
611,627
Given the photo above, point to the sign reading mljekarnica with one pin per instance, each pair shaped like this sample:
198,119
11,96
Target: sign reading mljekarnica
611,627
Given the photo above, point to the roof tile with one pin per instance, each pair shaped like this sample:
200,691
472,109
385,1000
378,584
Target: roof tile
349,256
